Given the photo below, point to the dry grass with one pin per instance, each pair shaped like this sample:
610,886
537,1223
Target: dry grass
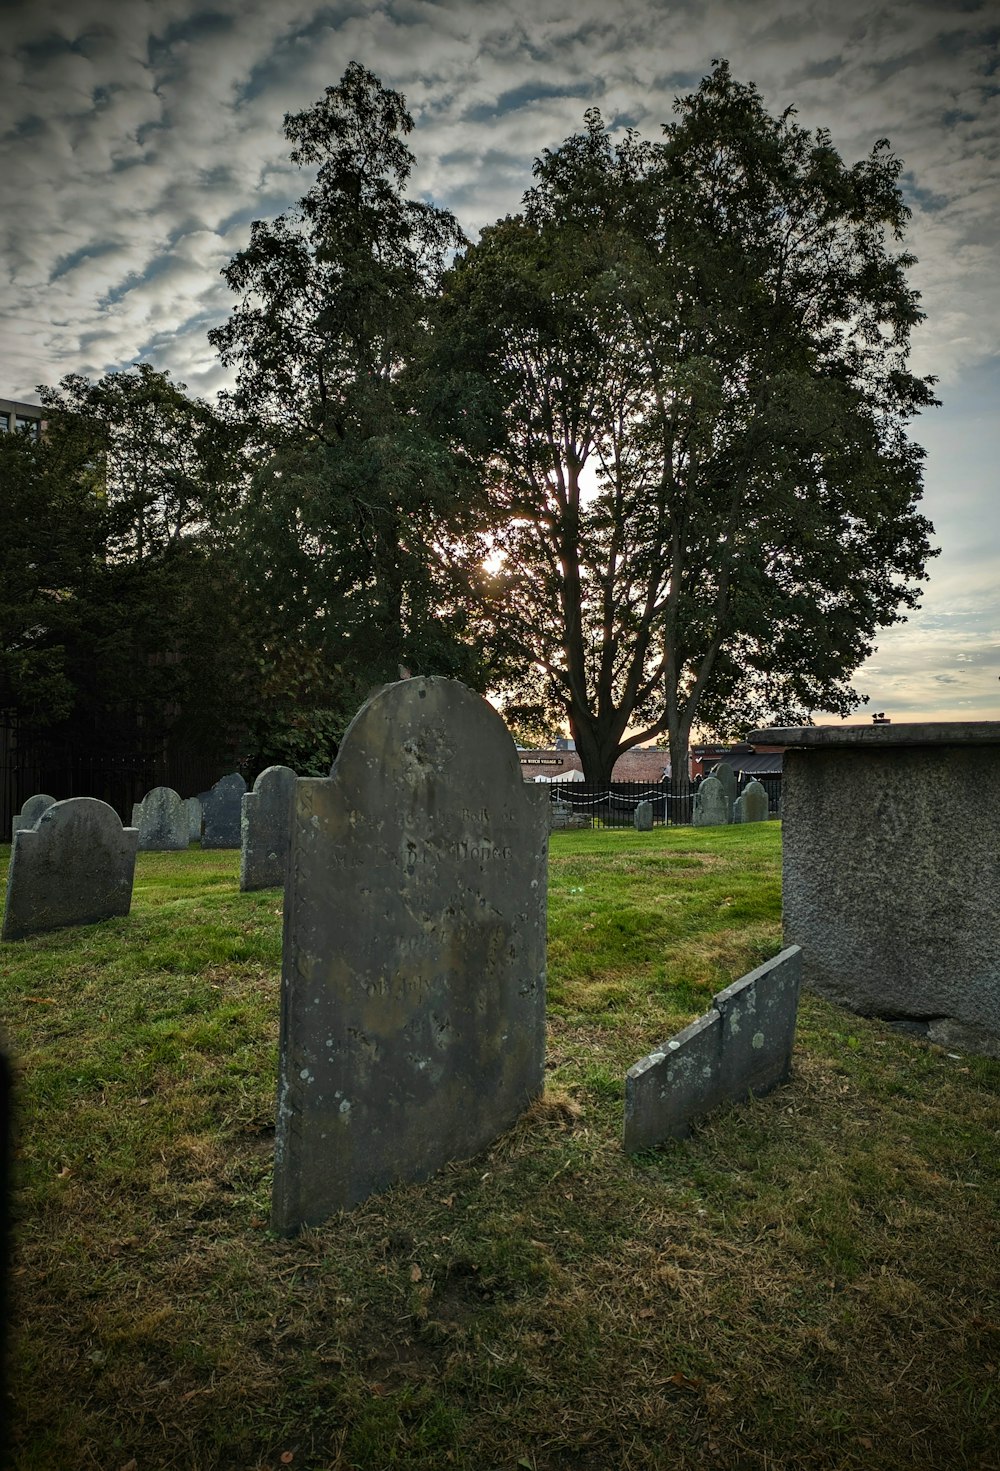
810,1282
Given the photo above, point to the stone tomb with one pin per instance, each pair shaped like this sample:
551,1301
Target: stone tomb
711,804
74,867
162,820
413,976
266,829
891,871
221,812
31,812
742,1046
752,804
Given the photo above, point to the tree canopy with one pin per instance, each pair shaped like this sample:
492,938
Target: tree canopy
697,352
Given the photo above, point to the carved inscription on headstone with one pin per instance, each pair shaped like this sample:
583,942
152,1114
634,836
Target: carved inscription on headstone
413,977
266,829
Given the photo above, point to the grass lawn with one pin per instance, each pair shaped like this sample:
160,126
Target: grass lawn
810,1281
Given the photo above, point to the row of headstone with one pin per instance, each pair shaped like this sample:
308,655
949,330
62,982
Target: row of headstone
716,802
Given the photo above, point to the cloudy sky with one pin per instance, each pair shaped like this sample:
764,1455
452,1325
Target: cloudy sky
141,137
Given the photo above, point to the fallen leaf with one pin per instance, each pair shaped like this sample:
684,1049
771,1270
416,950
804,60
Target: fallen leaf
647,1312
866,1441
683,1381
415,1273
132,1465
448,1200
287,1457
40,1000
63,1173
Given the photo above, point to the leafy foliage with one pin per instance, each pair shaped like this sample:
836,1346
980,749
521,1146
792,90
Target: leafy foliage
698,351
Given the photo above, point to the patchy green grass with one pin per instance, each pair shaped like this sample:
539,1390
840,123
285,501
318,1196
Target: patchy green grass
811,1281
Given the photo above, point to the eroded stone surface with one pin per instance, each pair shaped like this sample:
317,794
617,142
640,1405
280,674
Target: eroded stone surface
711,804
752,804
221,812
162,821
266,829
192,806
742,1046
413,977
643,817
74,867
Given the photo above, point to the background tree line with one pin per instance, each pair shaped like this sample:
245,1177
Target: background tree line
637,460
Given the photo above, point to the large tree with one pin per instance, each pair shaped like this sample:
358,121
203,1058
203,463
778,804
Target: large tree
358,524
697,350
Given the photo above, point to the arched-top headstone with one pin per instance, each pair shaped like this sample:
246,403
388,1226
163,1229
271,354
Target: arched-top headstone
413,976
31,812
74,867
220,811
711,804
643,817
266,829
162,820
751,804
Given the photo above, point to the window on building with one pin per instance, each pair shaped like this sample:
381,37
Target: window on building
22,421
4,423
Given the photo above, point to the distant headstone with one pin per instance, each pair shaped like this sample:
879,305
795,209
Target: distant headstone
711,805
266,829
192,806
413,975
31,812
752,804
725,774
643,817
75,867
162,820
220,809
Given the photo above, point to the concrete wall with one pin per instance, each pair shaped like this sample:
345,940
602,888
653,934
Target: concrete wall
742,1046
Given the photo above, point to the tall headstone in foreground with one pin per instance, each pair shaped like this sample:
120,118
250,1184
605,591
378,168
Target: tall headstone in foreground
413,976
31,812
162,820
711,804
220,811
752,804
75,867
266,829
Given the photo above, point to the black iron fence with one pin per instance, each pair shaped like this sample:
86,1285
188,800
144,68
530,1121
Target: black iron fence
57,766
672,802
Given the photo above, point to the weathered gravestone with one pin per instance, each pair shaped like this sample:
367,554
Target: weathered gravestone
162,820
712,807
413,976
751,805
31,812
221,812
74,867
725,774
266,829
192,806
643,817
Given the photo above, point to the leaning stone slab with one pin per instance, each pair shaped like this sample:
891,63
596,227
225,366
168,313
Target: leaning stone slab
31,812
742,1046
712,807
643,817
752,804
74,867
162,820
266,829
413,975
221,812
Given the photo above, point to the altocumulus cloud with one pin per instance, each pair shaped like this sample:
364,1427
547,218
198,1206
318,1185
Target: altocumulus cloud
141,139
